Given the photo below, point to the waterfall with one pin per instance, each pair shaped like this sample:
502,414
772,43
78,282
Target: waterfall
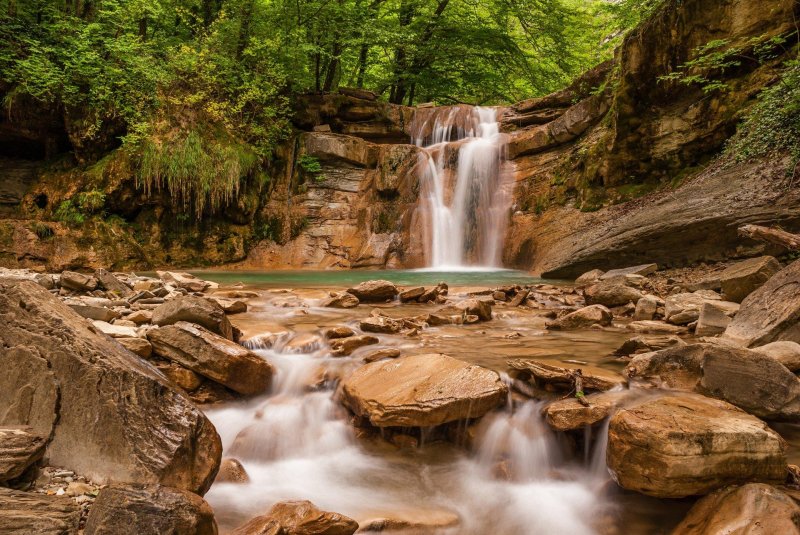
464,193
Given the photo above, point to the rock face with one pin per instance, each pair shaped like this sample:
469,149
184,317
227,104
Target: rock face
771,313
671,447
743,278
135,510
585,317
421,391
752,381
19,449
194,310
28,513
753,508
376,291
212,356
298,518
107,414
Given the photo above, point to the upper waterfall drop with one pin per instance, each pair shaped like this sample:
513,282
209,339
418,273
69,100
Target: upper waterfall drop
463,195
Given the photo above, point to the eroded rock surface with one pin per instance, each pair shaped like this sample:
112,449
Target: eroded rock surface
28,513
298,518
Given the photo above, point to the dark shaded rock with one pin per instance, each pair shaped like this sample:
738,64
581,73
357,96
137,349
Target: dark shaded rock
20,447
194,310
375,291
28,513
108,414
212,356
149,509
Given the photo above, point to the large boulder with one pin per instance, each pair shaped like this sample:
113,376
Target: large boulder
381,324
646,308
787,353
422,391
771,313
750,380
755,508
149,509
112,284
676,446
376,291
298,518
611,293
212,356
20,447
194,310
108,414
714,318
582,318
743,278
476,307
29,513
71,280
570,414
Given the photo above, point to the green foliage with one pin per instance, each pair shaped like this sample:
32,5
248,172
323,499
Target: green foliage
712,60
69,214
90,202
311,166
198,172
772,125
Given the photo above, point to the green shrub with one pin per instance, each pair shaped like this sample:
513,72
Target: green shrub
69,214
91,202
311,166
42,231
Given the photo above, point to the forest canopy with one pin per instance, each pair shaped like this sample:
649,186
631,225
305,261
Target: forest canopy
165,69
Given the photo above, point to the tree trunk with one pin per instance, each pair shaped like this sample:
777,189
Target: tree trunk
333,67
362,64
244,28
143,28
771,235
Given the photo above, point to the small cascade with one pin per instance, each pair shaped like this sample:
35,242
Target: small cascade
464,198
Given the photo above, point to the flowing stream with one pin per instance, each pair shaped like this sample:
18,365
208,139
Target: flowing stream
464,192
297,442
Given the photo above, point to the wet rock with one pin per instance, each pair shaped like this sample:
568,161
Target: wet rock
644,269
771,313
714,318
20,447
298,518
76,386
78,282
787,353
137,346
519,298
499,296
112,284
655,327
752,508
570,414
340,300
646,344
142,509
743,278
676,446
449,315
435,293
476,307
752,381
611,293
590,277
543,375
422,391
231,471
340,331
418,522
412,294
646,308
303,343
386,353
183,377
582,318
194,310
212,356
186,281
230,306
381,324
343,347
376,291
28,513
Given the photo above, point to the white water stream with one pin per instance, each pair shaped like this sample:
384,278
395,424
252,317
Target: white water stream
299,444
464,192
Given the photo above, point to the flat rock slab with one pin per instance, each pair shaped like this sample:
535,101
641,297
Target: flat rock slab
144,509
20,447
677,446
570,414
197,310
643,269
28,513
212,356
765,509
422,391
374,291
110,415
743,278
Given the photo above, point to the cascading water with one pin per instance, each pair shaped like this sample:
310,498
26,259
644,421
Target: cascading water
464,192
